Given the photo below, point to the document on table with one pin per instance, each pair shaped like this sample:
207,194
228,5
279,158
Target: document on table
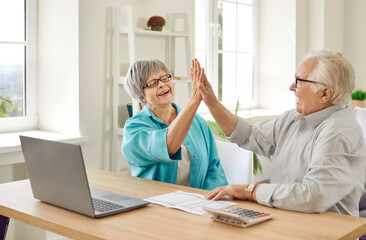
189,202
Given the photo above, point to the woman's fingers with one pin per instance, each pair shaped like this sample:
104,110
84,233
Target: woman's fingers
194,70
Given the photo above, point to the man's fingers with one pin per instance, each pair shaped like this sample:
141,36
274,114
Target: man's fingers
202,90
218,196
212,193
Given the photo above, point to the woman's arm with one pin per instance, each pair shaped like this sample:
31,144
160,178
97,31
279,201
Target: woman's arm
179,128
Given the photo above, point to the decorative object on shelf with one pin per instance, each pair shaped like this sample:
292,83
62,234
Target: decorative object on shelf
358,98
156,23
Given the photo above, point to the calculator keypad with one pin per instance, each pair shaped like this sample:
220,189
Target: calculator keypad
247,214
238,216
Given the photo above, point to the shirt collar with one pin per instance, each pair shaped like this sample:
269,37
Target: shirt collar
151,115
316,118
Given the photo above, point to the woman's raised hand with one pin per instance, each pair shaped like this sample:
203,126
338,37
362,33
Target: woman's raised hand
198,77
201,85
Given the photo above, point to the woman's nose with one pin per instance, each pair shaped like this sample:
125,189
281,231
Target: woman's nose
160,84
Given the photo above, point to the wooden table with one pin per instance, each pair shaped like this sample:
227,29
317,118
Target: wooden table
158,222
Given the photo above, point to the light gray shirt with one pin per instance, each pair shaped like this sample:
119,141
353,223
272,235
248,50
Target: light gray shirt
318,161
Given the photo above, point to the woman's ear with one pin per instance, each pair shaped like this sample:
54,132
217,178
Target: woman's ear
327,94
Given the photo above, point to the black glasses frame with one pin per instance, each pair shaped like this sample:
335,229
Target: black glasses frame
304,80
156,81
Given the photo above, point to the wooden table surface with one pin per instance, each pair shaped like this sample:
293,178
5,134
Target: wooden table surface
158,222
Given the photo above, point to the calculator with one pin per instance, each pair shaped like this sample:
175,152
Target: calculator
241,217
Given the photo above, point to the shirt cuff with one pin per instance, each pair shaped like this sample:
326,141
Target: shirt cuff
159,148
264,194
241,132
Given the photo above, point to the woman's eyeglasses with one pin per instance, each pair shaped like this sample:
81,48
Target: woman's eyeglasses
155,82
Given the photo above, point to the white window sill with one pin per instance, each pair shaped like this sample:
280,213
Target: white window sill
9,142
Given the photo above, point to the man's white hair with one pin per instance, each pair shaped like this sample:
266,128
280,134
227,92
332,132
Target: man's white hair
334,70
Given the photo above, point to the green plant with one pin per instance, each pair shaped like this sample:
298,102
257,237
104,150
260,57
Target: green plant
9,108
156,21
358,95
237,107
256,164
215,128
4,101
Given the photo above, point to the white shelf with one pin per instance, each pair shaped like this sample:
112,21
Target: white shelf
124,28
141,31
182,81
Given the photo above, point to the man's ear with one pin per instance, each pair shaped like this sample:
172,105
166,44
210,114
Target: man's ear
327,94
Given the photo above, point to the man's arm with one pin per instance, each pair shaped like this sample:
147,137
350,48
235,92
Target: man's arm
226,120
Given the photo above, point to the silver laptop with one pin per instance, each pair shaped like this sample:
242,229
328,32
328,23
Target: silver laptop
57,175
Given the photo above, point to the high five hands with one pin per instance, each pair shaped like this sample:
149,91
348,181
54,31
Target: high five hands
198,76
201,85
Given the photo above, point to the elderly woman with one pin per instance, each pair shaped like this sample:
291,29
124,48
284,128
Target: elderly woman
164,142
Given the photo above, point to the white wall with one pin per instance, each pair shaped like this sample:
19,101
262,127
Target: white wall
355,38
58,57
323,23
338,25
277,53
316,24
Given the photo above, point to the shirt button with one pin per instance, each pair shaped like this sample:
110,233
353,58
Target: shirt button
187,142
194,171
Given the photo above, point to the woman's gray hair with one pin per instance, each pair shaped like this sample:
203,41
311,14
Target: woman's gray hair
137,75
335,71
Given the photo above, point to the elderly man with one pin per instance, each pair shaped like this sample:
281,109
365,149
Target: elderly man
317,149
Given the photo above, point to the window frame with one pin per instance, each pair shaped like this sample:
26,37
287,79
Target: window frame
30,119
213,51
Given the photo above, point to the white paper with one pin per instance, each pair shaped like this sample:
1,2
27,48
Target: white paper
189,202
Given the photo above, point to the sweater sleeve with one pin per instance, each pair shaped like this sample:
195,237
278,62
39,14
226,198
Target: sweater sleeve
144,143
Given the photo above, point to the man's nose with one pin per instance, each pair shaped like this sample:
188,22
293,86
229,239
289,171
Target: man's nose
292,87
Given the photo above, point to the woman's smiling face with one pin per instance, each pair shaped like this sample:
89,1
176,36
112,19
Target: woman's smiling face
160,95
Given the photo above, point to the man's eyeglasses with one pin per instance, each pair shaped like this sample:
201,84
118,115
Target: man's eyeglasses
303,80
155,82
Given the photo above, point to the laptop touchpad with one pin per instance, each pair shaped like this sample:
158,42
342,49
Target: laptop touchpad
115,197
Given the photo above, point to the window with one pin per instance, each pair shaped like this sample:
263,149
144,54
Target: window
225,44
17,65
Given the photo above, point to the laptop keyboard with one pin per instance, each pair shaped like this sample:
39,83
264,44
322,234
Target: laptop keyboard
104,206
